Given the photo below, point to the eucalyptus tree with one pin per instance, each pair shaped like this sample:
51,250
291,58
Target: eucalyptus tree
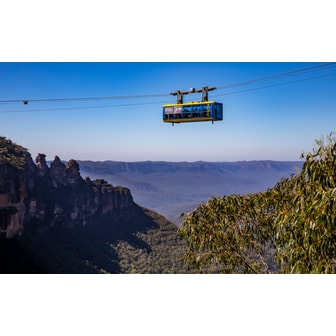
290,228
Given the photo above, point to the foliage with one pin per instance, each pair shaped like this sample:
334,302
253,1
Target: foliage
306,227
232,230
290,228
12,154
161,252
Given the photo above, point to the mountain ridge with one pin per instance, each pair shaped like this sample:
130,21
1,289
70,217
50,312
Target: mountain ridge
158,166
172,188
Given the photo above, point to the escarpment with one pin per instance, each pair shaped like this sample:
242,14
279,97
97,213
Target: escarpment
36,196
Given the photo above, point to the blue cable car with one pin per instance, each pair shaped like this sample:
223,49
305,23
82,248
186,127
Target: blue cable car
192,111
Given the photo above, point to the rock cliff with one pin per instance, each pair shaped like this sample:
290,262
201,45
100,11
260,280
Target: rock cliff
36,196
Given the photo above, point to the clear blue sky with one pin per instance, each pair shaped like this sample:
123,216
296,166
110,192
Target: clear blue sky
277,123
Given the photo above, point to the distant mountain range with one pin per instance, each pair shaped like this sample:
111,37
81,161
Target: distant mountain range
173,188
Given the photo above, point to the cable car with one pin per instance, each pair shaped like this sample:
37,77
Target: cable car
192,111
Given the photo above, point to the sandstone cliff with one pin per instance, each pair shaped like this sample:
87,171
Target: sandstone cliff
36,196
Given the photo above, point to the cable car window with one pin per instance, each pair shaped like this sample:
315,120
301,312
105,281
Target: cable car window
168,110
177,109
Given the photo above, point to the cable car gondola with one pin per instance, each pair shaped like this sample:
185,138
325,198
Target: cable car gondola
192,111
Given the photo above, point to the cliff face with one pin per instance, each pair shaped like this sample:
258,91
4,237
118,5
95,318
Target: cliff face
38,197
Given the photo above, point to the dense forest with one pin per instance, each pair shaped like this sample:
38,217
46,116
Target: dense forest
290,228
